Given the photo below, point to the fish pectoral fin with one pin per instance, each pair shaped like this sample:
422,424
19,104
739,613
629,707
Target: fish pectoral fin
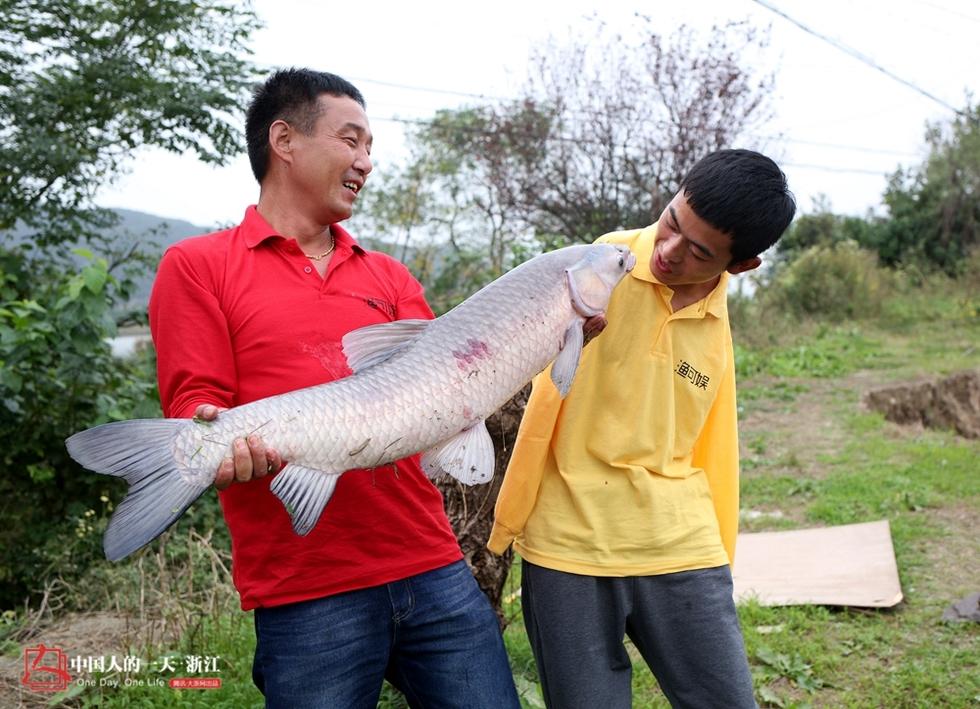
304,492
371,345
468,456
563,369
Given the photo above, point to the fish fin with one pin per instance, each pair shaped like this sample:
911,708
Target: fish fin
141,452
468,456
584,285
565,365
373,344
304,492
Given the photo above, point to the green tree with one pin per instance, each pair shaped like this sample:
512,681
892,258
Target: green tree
837,281
57,375
85,82
823,228
442,212
82,84
934,209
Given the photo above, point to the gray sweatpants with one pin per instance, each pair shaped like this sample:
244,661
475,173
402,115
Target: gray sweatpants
684,625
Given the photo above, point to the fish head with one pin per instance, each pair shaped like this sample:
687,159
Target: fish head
592,278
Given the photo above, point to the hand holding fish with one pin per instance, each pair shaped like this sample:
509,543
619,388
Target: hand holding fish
250,458
593,326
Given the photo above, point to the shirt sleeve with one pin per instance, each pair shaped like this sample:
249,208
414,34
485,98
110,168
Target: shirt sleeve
519,489
716,452
195,361
411,299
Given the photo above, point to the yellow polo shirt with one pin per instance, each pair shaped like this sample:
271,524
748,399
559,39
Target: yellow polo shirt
636,471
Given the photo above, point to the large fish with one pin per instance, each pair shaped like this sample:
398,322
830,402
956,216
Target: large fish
418,385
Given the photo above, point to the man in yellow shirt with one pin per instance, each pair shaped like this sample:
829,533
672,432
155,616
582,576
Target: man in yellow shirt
622,499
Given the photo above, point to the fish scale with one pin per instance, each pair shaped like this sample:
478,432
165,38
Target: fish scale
418,386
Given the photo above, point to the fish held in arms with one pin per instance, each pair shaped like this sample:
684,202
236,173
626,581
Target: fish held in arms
417,386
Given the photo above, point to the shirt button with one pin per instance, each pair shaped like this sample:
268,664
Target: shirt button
308,269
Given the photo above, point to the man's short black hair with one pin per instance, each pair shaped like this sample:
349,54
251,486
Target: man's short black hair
744,194
291,95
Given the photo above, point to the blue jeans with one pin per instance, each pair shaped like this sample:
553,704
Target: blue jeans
434,636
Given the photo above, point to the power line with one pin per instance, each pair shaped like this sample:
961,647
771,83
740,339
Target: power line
829,168
566,139
449,92
857,55
951,12
838,146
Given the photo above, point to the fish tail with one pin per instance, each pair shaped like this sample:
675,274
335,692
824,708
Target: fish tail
141,452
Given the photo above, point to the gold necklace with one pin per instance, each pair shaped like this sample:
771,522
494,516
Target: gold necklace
317,257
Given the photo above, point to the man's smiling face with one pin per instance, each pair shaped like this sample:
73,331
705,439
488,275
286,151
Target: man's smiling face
688,250
332,163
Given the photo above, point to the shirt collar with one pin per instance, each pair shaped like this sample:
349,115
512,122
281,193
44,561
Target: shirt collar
716,301
642,248
256,230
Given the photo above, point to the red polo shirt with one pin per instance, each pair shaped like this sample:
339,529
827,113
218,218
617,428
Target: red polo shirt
241,314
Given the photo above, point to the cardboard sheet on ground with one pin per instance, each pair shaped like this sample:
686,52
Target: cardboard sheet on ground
849,565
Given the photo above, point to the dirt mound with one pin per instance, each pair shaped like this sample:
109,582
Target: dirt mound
950,403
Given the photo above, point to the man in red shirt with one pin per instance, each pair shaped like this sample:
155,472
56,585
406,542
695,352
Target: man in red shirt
378,588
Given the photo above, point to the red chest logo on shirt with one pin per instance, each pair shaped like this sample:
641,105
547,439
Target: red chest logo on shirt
382,305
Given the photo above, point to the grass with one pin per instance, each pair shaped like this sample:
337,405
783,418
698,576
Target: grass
925,483
181,619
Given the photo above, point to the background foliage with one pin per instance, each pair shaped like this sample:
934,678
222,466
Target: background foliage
82,84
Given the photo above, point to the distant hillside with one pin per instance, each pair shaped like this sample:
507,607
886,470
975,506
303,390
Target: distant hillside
161,231
173,230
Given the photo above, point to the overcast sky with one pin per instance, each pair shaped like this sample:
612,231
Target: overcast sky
845,124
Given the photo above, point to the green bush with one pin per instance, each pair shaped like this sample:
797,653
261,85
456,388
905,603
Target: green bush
57,376
835,282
